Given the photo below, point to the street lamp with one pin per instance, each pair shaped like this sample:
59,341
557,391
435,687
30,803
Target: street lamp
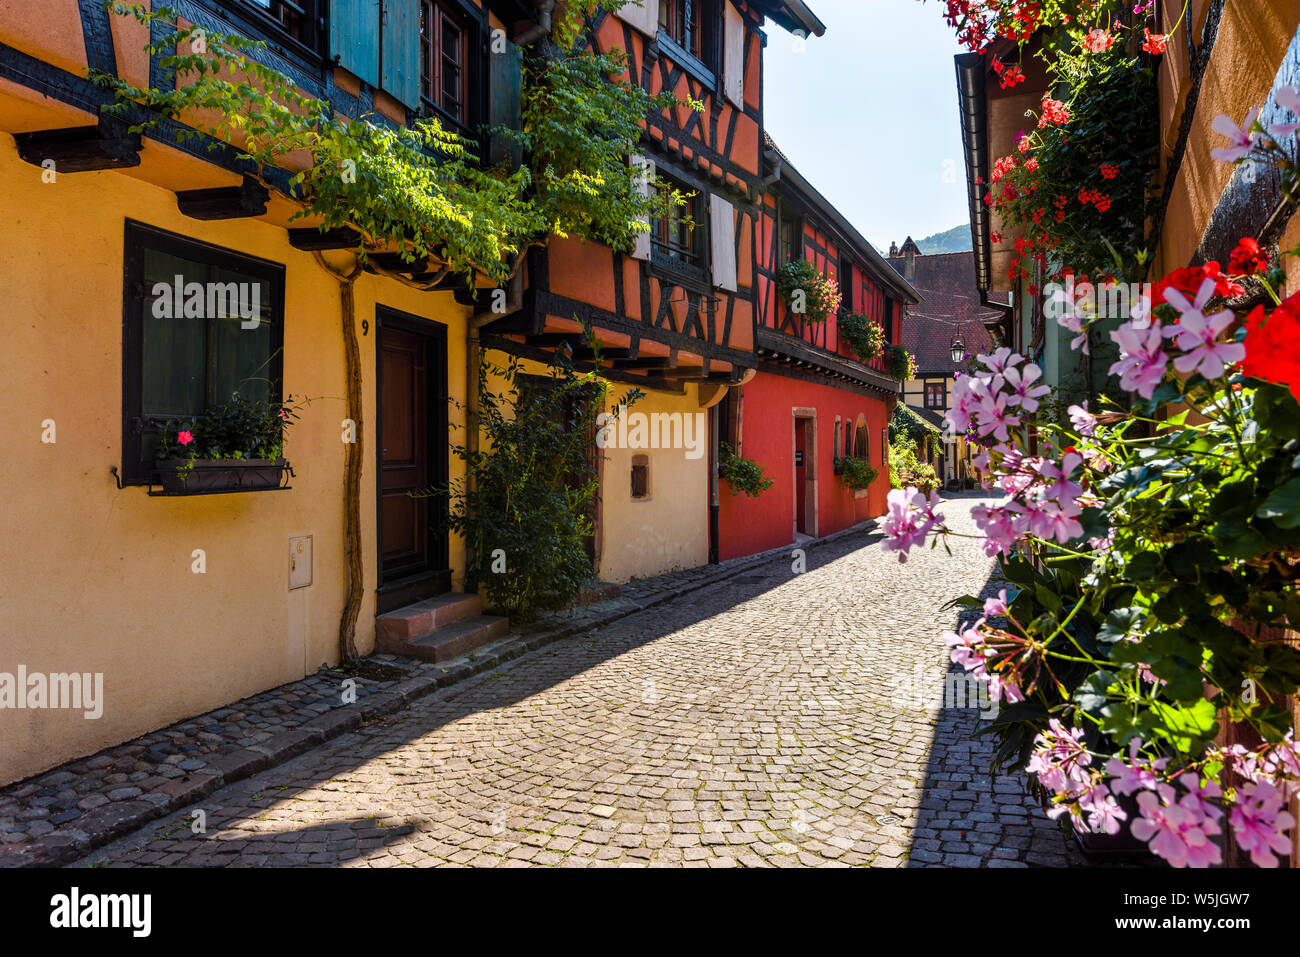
957,349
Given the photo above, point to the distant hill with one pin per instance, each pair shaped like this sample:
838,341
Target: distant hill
955,240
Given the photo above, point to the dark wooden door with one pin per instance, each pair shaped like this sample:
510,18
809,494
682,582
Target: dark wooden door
412,460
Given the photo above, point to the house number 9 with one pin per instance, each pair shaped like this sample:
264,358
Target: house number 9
365,327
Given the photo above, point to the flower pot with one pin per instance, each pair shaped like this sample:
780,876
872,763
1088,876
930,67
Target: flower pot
209,476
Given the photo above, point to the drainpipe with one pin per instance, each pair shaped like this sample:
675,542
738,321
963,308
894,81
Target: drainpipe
544,10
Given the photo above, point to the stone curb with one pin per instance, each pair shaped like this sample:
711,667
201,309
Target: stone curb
112,821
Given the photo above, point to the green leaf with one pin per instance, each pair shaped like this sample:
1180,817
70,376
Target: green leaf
1283,506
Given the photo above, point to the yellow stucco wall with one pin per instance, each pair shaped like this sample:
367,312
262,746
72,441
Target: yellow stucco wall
96,579
669,529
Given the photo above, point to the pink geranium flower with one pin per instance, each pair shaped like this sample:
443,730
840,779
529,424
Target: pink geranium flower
1241,139
1083,421
1197,334
1288,97
1260,823
1022,386
1180,833
1143,363
184,438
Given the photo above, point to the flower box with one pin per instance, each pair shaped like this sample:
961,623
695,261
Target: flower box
214,476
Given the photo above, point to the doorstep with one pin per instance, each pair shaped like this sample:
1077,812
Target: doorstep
61,814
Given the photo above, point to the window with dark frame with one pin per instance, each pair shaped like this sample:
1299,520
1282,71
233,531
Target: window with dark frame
444,46
936,395
687,23
179,362
676,235
790,238
297,19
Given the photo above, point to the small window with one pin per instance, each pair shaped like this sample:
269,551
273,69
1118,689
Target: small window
687,23
677,235
201,323
790,239
640,476
862,442
298,20
848,439
936,395
443,48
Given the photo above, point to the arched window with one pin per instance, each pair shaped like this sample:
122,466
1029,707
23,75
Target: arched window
849,450
862,440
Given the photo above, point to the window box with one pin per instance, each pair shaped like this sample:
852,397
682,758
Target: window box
219,476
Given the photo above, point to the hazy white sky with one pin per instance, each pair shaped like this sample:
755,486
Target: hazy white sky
868,113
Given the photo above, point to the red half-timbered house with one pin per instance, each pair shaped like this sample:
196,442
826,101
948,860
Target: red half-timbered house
812,400
676,315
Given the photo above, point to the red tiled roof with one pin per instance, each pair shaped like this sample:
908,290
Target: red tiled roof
952,307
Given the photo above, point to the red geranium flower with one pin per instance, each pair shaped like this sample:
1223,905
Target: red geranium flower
1054,111
1188,281
1273,345
1247,259
1109,170
1154,43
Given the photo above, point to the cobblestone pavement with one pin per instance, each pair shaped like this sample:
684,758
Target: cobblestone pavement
772,719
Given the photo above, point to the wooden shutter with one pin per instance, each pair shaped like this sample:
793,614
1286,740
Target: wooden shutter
400,73
643,174
354,37
644,17
722,230
504,78
733,56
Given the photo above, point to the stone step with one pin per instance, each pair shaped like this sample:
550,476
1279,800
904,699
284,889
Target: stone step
454,640
423,617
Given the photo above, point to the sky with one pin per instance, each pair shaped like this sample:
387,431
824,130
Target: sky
868,114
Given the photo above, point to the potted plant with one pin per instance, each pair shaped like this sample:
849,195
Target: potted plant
855,473
806,292
743,475
902,366
239,446
865,337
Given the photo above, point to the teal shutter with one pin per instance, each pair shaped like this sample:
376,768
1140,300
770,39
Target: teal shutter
354,37
401,51
505,69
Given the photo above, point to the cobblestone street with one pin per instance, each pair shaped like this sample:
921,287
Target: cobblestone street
772,719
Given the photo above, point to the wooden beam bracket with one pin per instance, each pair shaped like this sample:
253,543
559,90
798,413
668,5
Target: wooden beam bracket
247,199
82,149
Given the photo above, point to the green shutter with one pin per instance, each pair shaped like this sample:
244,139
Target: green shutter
401,51
354,37
504,81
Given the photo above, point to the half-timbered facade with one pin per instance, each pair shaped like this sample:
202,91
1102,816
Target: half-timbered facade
812,400
676,316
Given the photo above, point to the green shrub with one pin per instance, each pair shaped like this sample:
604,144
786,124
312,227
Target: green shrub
527,514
